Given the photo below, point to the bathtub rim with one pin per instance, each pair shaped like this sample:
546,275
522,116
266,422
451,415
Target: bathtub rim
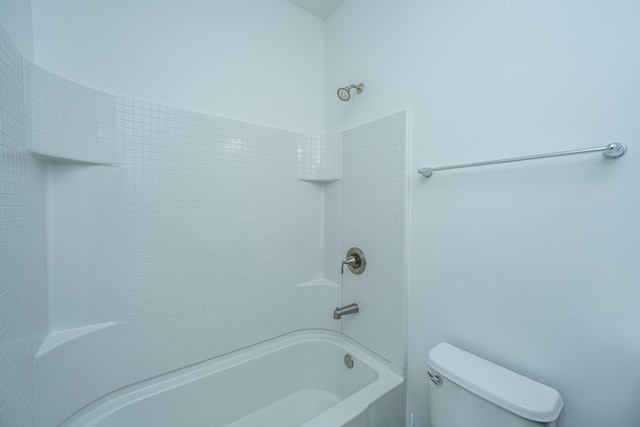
389,376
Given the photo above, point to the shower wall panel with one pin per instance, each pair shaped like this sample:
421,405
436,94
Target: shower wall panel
220,234
16,404
375,212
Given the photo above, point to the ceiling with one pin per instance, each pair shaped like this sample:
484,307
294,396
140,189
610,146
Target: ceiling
320,8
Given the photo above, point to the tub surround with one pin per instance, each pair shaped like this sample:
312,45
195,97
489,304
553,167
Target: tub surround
16,390
212,211
376,198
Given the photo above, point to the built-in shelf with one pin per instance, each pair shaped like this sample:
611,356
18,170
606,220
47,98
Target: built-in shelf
57,338
319,283
320,181
76,233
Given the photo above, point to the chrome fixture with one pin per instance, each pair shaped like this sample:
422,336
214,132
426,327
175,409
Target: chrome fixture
344,93
435,378
343,311
355,261
611,151
348,361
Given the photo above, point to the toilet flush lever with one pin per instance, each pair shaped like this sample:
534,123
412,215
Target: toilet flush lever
355,261
435,378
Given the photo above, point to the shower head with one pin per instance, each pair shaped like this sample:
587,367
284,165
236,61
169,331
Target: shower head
344,93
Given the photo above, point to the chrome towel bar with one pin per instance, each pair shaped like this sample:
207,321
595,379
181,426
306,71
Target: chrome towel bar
611,151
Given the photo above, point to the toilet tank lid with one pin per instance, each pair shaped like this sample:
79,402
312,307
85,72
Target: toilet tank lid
500,386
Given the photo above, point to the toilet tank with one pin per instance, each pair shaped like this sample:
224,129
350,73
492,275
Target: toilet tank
468,391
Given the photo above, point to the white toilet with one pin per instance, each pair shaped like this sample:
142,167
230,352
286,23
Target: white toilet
468,391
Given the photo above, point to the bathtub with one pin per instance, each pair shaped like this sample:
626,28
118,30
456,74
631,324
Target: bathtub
299,379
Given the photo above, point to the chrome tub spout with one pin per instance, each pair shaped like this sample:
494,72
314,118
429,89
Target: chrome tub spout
347,309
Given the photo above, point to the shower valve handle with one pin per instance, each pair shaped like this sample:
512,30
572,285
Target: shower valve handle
350,261
355,260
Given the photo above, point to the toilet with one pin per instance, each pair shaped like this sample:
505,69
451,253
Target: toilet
468,391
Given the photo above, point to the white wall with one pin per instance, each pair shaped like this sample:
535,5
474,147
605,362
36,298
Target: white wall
533,265
253,60
15,18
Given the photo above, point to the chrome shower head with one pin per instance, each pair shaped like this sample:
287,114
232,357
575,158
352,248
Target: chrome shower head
344,93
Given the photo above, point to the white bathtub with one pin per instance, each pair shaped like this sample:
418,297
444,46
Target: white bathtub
299,379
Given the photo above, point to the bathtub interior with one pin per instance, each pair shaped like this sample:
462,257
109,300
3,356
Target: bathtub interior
288,382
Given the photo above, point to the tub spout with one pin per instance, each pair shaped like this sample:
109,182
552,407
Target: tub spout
347,309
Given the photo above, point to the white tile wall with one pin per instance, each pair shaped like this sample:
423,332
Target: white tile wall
375,220
68,120
16,404
320,157
221,233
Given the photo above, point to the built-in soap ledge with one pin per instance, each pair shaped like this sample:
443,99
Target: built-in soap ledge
58,338
61,160
320,180
318,283
76,229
